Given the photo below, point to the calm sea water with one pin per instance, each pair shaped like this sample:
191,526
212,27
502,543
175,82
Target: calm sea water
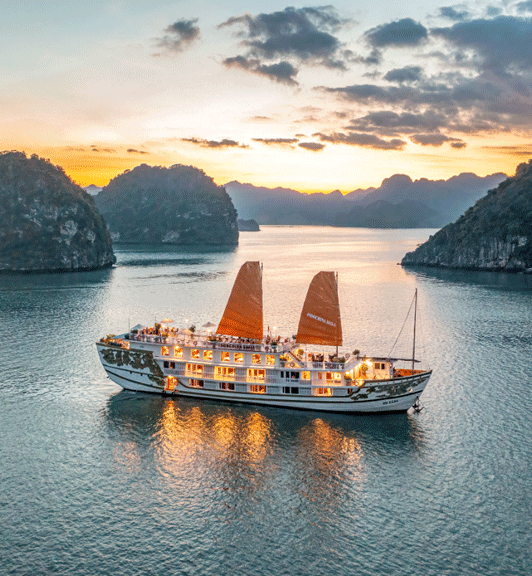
94,480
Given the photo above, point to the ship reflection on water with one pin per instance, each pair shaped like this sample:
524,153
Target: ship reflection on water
238,456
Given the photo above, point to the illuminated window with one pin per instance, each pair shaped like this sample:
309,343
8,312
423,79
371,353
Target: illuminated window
319,375
255,359
224,371
239,357
171,383
256,373
195,368
225,357
207,354
305,375
270,359
323,392
257,389
294,375
226,386
178,352
165,351
195,383
194,353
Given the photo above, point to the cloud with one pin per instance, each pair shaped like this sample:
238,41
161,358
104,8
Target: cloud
179,35
523,150
386,121
261,119
502,45
313,146
453,14
95,148
406,75
133,151
460,144
299,35
225,143
358,139
405,32
436,139
277,141
524,6
282,72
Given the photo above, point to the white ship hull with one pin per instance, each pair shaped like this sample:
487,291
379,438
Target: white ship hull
373,396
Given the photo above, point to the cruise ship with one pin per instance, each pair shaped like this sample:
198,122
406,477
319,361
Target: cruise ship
239,363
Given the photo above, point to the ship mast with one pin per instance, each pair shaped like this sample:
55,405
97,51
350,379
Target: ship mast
414,339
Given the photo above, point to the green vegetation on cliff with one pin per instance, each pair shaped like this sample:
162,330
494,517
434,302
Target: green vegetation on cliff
494,234
47,223
176,205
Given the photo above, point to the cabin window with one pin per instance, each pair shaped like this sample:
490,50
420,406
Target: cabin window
256,373
323,392
226,386
380,366
305,375
194,353
207,354
165,351
195,368
290,389
172,365
224,371
239,357
255,359
166,364
319,375
270,359
196,383
225,357
294,375
257,389
178,352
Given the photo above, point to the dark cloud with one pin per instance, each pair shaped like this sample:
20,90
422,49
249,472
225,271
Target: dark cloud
179,35
277,141
304,35
460,144
524,6
433,139
453,14
406,75
225,143
502,45
358,139
282,72
133,151
387,121
95,148
523,150
313,146
405,32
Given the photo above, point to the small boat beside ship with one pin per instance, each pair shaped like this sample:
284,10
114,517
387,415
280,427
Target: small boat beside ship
238,363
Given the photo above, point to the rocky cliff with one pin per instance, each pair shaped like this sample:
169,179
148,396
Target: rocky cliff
47,223
494,234
176,205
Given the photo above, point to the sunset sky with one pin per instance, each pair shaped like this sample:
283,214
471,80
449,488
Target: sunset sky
299,95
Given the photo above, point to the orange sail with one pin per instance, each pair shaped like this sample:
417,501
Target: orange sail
243,313
320,321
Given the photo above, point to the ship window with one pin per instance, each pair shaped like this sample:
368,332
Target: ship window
165,351
172,365
226,386
256,373
194,353
270,359
207,354
256,359
196,383
286,389
294,390
224,371
319,375
196,368
239,357
257,389
225,357
166,364
305,375
294,375
178,352
323,392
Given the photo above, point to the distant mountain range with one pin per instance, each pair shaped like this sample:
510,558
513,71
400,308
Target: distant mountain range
92,189
399,202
